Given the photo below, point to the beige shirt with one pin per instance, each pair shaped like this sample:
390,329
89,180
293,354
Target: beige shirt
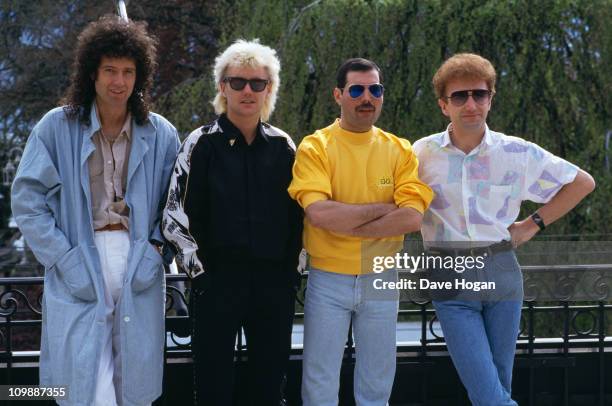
108,166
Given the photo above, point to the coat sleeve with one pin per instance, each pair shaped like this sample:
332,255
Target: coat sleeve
37,179
176,220
168,166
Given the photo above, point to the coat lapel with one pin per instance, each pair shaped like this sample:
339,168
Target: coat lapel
87,148
139,149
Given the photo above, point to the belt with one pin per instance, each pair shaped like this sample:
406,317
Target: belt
493,249
112,227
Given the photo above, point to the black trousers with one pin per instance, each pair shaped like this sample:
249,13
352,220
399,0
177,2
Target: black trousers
258,295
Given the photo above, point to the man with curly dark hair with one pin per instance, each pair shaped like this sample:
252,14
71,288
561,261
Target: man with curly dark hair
87,199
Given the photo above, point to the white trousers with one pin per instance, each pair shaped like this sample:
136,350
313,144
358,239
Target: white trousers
113,247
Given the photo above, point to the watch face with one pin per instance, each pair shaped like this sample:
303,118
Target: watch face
538,220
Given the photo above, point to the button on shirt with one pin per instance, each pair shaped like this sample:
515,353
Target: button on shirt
108,166
478,195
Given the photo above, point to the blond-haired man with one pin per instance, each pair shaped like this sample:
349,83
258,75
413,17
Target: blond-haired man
236,231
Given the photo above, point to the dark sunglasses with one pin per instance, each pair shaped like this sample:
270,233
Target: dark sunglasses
236,83
375,90
460,97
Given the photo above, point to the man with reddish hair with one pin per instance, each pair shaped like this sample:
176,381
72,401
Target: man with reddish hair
480,178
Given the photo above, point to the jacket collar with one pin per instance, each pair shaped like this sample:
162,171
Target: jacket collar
230,131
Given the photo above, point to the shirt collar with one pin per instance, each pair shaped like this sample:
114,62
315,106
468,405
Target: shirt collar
488,138
127,127
232,132
96,123
351,137
446,141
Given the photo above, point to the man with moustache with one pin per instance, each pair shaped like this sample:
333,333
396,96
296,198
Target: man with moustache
87,197
480,178
358,185
236,231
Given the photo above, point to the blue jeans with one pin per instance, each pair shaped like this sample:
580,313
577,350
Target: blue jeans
332,300
481,334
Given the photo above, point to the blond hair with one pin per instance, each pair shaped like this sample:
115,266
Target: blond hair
251,54
463,66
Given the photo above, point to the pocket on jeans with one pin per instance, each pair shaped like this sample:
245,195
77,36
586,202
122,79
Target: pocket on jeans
505,261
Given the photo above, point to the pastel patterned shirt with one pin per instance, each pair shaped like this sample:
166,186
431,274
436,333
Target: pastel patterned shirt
478,195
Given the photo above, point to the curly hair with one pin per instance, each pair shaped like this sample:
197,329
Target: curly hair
112,37
464,66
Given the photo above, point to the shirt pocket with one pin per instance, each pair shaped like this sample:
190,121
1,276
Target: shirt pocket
96,165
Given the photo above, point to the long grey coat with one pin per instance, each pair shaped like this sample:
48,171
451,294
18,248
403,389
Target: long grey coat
51,203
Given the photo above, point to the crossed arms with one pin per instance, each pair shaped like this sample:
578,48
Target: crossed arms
373,220
380,220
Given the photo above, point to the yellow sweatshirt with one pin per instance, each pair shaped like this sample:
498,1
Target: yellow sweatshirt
353,168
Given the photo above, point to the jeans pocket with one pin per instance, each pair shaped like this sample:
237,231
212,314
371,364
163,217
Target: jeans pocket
505,261
508,277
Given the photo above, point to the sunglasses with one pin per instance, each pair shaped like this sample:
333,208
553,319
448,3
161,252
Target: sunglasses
460,97
236,83
375,90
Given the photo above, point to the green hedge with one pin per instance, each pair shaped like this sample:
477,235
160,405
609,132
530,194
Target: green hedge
552,59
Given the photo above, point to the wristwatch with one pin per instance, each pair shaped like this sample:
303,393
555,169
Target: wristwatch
538,220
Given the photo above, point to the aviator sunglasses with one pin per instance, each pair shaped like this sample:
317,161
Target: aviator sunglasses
460,97
236,83
375,90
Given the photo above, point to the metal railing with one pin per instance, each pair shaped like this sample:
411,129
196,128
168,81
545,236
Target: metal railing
552,332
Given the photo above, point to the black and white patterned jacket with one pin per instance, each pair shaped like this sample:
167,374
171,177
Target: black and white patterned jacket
227,196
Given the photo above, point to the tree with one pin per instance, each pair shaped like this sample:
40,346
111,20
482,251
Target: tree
552,59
